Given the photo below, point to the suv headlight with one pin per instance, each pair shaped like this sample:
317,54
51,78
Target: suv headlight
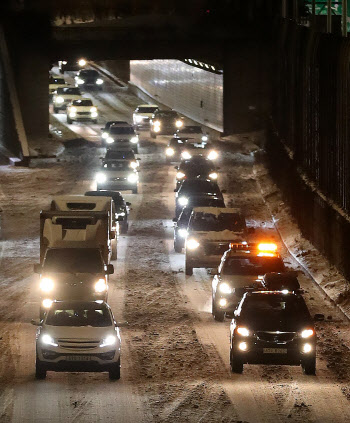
59,100
243,331
80,81
225,288
213,175
213,155
192,244
46,284
178,123
101,177
186,155
109,140
169,151
100,286
104,135
156,123
46,339
307,333
132,178
82,62
134,165
183,201
99,81
204,138
180,175
108,341
134,140
182,233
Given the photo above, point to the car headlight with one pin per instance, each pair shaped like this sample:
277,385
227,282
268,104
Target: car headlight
72,114
47,303
93,109
99,81
204,138
101,177
179,123
94,114
307,348
182,233
156,123
183,201
192,244
180,175
46,339
73,109
46,284
108,341
59,100
213,155
80,81
225,288
134,140
186,155
243,331
104,135
134,165
307,333
100,286
169,151
64,62
132,178
213,175
109,140
138,119
82,62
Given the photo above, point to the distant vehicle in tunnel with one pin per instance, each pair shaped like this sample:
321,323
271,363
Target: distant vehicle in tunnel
88,78
55,82
116,175
190,190
272,327
142,115
210,231
242,267
78,336
105,130
194,148
121,207
194,132
122,136
165,122
71,65
197,167
83,110
64,96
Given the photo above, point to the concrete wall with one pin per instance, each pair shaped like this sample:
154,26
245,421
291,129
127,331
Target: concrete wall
190,90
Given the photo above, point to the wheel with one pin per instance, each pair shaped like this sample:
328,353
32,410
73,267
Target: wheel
134,190
218,315
188,269
235,364
177,247
55,110
153,135
69,120
114,254
114,372
309,366
40,371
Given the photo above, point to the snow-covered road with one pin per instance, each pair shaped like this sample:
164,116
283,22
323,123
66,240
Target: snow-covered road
175,364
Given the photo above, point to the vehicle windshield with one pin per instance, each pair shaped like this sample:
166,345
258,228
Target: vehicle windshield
211,222
252,265
83,103
117,165
88,72
73,260
190,130
146,109
95,315
125,130
57,81
70,91
275,311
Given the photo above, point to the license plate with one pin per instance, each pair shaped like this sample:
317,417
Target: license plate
275,351
78,358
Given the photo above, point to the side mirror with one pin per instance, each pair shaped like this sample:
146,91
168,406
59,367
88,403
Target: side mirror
36,322
223,191
319,317
110,269
37,268
128,204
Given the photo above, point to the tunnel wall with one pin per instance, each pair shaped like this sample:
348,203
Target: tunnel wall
192,91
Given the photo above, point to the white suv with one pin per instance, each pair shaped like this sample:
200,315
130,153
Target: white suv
78,336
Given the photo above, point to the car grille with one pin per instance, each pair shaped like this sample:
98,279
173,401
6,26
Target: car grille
216,249
117,179
74,344
83,113
276,337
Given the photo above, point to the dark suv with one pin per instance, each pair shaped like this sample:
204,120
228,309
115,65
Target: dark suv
165,122
272,327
